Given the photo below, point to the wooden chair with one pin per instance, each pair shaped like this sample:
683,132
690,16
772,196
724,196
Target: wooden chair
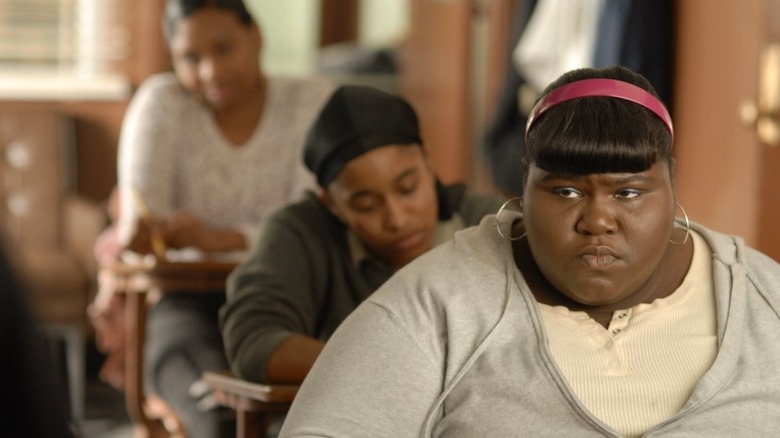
50,230
257,405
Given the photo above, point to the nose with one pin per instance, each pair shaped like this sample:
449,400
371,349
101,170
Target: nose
597,217
207,70
396,214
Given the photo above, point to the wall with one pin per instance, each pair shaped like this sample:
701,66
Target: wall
98,122
718,159
383,22
290,34
291,30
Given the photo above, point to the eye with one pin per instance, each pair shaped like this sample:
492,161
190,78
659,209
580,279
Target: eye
408,186
627,193
224,48
190,58
363,204
567,192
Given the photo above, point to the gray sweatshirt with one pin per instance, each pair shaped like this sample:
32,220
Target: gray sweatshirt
453,345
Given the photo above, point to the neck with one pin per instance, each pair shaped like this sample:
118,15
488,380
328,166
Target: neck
251,103
239,121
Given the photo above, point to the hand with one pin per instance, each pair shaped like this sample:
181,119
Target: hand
292,359
140,235
107,248
107,314
184,230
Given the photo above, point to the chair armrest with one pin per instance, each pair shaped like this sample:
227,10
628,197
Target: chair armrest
232,388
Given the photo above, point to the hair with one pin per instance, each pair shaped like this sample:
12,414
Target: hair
176,10
598,134
357,119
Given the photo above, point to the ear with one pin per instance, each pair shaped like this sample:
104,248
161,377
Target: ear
257,37
327,201
427,160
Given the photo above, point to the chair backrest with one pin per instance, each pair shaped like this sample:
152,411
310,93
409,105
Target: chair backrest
36,169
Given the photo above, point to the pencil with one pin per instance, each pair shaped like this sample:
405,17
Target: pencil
158,244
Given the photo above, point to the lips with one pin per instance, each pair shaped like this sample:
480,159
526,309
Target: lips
409,241
217,93
598,257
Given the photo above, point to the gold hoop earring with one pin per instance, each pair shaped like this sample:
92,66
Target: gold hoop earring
498,220
687,226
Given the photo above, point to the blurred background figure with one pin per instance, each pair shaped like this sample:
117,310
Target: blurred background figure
34,402
207,151
551,37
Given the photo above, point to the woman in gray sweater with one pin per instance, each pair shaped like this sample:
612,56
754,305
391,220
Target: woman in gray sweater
593,313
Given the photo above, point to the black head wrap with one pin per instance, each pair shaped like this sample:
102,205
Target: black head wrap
356,120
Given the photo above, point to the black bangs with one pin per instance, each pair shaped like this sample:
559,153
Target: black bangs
598,135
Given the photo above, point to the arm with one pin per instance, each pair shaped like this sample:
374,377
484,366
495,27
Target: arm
274,300
291,361
183,230
372,379
145,161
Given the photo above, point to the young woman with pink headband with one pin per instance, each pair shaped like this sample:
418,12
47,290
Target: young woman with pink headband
593,311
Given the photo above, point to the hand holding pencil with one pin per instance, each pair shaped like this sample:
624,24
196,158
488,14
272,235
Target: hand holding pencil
158,243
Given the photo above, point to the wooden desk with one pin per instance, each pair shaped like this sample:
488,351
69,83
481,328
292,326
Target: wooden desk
143,281
256,405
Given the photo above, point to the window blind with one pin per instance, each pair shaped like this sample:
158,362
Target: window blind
85,37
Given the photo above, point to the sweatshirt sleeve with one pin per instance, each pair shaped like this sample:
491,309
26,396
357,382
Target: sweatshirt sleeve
272,294
372,379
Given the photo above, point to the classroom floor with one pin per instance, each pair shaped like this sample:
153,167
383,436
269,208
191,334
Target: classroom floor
105,415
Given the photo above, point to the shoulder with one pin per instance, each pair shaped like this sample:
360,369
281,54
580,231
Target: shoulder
449,275
160,85
314,89
765,271
731,251
305,207
306,215
302,82
453,294
160,95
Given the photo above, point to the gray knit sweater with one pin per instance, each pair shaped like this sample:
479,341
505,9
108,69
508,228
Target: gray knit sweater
454,346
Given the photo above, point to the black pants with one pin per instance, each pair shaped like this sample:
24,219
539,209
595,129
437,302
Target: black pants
183,341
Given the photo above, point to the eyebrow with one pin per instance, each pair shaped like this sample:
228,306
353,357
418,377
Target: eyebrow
629,178
638,177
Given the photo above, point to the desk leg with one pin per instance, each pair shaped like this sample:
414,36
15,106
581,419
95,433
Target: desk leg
135,326
248,424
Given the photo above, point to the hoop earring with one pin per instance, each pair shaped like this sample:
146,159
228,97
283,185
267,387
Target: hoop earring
687,226
498,220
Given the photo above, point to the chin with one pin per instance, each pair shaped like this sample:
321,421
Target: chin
407,258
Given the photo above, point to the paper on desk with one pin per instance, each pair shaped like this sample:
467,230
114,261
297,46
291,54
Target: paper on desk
183,255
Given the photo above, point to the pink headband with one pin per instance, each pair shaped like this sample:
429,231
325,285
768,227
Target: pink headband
600,88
